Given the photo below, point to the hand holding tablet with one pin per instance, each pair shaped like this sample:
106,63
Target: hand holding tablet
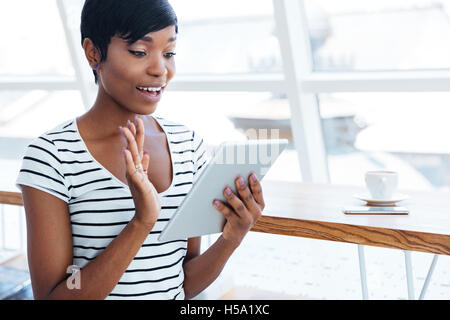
197,216
242,210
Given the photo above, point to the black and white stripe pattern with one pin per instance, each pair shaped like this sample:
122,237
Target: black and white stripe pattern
100,205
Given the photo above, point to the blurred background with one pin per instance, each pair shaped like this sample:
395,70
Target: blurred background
354,86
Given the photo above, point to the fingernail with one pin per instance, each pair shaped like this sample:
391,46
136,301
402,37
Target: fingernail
241,181
216,203
253,177
228,191
121,130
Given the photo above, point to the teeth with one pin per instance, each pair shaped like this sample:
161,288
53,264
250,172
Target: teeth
150,89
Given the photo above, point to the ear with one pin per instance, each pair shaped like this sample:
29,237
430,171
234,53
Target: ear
91,52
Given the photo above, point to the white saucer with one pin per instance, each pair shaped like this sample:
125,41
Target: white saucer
381,202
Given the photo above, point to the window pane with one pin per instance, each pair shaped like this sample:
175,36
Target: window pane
25,115
219,116
215,37
406,132
379,35
231,37
188,11
33,39
28,114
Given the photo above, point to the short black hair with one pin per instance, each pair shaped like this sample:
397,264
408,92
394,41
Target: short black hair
129,19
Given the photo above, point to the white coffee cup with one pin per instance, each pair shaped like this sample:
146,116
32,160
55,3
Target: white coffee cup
381,184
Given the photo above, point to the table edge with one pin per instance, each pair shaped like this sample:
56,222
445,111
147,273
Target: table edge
356,234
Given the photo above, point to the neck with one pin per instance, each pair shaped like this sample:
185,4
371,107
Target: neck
106,115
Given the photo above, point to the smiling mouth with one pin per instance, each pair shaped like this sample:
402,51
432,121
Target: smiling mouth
153,91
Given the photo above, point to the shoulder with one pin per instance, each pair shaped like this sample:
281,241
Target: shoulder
50,139
66,126
66,129
46,149
42,164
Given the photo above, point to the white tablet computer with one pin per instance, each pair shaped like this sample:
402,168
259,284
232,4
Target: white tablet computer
196,216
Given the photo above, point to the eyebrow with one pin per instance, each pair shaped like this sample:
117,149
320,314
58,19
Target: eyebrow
150,39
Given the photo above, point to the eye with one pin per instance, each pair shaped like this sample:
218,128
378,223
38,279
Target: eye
137,53
169,54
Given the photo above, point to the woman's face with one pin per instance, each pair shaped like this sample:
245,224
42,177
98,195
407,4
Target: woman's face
135,75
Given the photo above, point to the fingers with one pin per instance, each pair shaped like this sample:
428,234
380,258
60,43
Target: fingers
145,161
250,202
129,163
138,131
139,134
241,212
132,127
226,211
246,196
235,202
256,189
137,161
131,145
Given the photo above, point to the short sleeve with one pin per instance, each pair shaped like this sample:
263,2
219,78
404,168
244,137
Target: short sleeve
201,156
42,169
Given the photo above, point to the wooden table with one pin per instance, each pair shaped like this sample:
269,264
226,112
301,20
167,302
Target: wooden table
314,211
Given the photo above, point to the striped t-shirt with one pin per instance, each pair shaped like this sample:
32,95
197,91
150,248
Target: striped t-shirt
100,205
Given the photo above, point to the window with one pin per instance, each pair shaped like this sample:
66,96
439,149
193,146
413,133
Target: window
376,71
221,116
379,35
33,40
216,38
401,131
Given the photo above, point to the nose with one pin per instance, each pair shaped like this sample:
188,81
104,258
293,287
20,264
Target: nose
157,66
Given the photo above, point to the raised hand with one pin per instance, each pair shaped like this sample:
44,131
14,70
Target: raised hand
144,194
242,211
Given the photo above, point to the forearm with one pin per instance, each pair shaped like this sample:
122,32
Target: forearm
100,276
202,270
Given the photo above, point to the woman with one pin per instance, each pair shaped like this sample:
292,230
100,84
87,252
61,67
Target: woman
99,189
